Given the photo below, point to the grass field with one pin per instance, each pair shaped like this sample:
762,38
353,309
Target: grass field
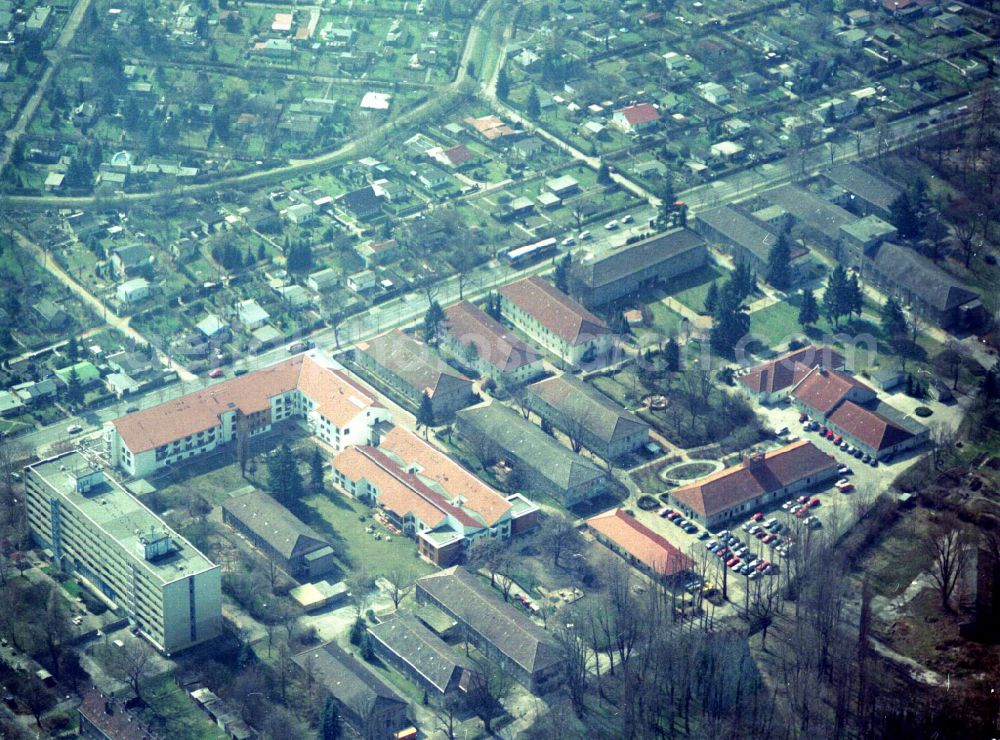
338,516
691,288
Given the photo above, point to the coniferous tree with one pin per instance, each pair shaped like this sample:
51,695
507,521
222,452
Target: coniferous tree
836,298
893,319
808,308
730,323
316,470
283,478
604,174
533,106
330,728
779,271
503,85
672,355
712,298
425,414
904,216
432,321
561,274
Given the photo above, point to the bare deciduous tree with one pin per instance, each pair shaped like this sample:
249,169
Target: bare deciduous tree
132,663
950,549
399,585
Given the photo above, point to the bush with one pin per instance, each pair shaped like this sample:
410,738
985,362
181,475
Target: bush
648,503
922,411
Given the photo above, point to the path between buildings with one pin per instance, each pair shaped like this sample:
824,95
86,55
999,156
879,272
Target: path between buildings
111,319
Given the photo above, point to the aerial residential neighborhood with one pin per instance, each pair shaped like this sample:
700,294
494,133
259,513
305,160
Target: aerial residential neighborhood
397,369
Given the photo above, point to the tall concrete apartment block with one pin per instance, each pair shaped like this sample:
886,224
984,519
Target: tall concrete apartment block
120,549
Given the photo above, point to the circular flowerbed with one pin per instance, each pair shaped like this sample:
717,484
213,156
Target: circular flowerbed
692,470
922,411
648,503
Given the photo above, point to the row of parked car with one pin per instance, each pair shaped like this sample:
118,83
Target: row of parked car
738,557
812,426
677,519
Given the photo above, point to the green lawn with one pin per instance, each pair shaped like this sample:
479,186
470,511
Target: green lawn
665,321
691,288
775,324
339,516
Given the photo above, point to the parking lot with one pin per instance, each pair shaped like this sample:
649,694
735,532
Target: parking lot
833,511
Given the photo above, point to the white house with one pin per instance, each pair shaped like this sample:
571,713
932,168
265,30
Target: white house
133,291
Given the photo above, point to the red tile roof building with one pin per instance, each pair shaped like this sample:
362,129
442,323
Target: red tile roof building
498,354
822,390
428,495
640,545
338,409
554,320
761,479
773,380
849,408
636,117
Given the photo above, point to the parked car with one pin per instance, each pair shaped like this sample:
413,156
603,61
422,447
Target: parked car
844,470
216,373
803,417
240,371
802,499
813,502
74,429
782,432
758,517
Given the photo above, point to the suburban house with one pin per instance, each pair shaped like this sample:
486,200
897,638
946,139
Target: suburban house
636,118
496,628
745,237
850,409
410,368
323,281
429,496
372,707
761,479
296,547
587,416
251,314
931,292
50,315
554,320
772,381
377,252
335,407
497,353
131,260
623,534
364,203
864,193
623,272
537,461
405,643
133,291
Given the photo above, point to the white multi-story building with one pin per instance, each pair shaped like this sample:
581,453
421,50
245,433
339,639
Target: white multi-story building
337,409
123,552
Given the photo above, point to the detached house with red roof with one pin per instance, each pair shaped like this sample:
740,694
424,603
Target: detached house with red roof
762,478
310,387
638,544
635,118
554,320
